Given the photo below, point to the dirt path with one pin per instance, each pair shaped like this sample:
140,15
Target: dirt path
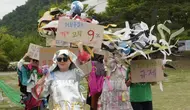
7,73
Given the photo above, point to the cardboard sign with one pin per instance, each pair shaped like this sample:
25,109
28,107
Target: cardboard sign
62,43
52,42
46,54
77,31
33,51
86,68
146,71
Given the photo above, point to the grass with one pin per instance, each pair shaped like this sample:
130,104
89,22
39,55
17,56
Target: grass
176,94
12,81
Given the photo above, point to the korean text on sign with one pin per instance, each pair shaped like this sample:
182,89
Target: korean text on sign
146,71
75,31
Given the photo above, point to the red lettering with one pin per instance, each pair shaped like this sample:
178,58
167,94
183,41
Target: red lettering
64,34
91,34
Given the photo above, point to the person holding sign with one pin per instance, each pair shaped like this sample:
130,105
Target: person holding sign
62,80
140,94
28,75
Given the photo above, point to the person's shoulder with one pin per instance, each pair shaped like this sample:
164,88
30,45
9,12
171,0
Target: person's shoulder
24,67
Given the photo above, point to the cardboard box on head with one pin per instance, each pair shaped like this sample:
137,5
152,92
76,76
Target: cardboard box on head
147,71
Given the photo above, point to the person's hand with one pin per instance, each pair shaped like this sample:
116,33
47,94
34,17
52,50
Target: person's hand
45,69
128,83
153,83
41,81
26,55
80,46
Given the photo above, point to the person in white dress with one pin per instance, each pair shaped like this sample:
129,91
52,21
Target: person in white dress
62,81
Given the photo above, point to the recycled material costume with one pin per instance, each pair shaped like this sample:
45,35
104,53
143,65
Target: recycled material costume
115,94
63,87
28,76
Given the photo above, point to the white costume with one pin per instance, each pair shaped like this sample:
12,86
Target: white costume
63,87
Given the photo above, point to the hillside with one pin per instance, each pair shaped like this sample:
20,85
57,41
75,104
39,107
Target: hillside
23,20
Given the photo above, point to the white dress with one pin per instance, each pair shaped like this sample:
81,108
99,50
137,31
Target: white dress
64,90
115,95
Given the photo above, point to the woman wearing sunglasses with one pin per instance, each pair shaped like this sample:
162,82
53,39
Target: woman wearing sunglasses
28,76
62,81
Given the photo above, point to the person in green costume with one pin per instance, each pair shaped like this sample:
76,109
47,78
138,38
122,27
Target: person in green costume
140,94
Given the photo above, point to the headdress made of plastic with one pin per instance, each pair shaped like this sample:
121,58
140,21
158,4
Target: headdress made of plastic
70,54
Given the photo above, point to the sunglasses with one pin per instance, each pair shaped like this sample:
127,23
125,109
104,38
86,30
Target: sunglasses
64,59
34,60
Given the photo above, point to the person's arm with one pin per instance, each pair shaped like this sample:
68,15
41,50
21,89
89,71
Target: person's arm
83,56
128,78
41,89
128,82
21,62
84,64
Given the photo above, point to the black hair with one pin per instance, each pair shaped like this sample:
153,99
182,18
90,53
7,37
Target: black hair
98,58
71,66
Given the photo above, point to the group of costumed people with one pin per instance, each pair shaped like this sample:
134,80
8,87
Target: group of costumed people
109,77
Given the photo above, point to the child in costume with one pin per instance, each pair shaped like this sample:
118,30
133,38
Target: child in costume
115,93
62,81
28,76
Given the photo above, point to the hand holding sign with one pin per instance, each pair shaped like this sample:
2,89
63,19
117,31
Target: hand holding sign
25,55
80,46
146,71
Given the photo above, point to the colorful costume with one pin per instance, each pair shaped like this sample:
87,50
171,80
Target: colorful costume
28,76
115,94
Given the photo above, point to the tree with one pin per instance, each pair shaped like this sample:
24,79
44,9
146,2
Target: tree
151,11
3,62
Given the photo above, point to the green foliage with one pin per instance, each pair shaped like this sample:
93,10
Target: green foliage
19,28
14,48
7,44
150,11
23,20
3,61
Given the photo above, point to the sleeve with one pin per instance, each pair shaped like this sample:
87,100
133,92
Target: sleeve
83,56
24,75
20,64
41,89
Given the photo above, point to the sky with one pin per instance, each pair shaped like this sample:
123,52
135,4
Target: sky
100,4
8,6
